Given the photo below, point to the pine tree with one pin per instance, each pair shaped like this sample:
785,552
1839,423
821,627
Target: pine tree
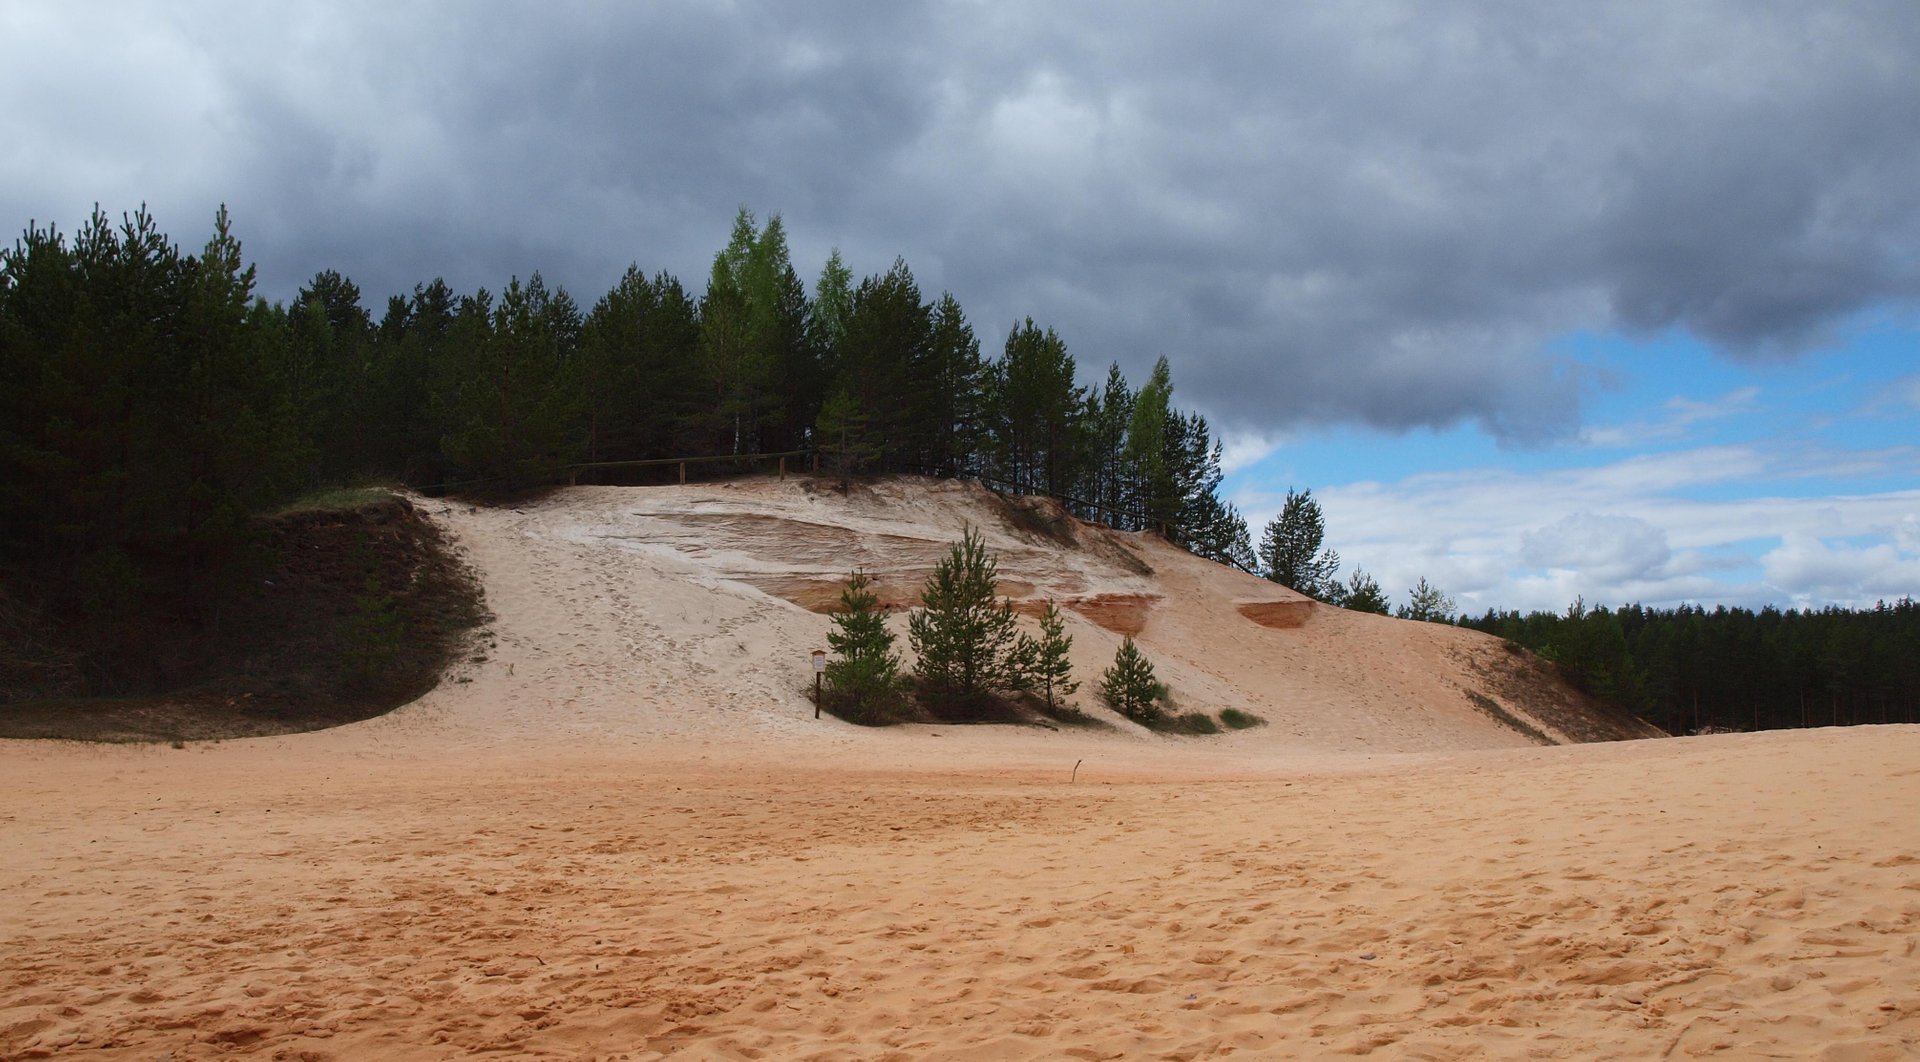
1426,602
888,330
863,685
948,422
1290,548
1152,490
844,438
966,639
511,413
1109,411
1129,687
1038,411
1362,593
1051,672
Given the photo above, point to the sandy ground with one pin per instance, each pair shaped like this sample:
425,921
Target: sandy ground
622,835
1752,896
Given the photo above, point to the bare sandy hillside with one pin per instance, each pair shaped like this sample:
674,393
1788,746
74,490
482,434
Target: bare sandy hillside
638,613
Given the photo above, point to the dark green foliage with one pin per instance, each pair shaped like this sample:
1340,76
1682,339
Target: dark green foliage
1290,549
375,633
149,403
1190,723
1036,407
863,684
141,411
888,330
355,606
1427,603
950,419
1235,719
1107,484
844,439
1051,673
509,398
759,367
1691,668
338,385
639,351
966,639
1129,687
1361,593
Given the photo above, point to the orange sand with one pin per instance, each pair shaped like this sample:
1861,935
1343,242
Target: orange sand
1751,895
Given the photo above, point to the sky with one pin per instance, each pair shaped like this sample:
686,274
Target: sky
1615,301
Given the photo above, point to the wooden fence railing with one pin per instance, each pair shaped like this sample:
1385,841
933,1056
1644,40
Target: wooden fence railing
573,471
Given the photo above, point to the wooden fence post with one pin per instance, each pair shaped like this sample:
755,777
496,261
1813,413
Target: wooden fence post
683,473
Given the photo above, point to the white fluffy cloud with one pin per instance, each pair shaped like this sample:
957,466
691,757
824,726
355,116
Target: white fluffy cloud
1501,538
1607,547
1813,571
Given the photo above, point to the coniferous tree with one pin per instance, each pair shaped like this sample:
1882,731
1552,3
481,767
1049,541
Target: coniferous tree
638,358
784,342
863,684
888,330
509,410
1109,411
333,338
1153,491
1130,688
949,395
843,438
733,368
1362,593
1038,409
227,458
965,637
1051,673
1202,523
1428,603
1290,548
827,315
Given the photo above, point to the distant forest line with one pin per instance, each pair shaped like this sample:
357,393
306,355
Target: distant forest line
1690,668
151,403
150,396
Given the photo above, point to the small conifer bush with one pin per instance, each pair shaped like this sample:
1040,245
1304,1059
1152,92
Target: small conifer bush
1129,687
863,684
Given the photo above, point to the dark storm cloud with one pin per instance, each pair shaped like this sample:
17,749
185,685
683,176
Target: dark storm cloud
1379,212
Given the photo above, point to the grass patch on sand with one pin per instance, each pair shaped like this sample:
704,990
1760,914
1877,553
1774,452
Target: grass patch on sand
337,499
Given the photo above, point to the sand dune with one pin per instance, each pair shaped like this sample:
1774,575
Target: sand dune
646,614
625,837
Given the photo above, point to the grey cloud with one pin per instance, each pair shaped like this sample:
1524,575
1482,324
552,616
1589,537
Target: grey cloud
1379,213
1608,547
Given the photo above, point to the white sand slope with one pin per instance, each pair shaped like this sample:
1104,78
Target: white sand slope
688,613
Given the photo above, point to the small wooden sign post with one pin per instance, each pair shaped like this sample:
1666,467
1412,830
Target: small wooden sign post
819,669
